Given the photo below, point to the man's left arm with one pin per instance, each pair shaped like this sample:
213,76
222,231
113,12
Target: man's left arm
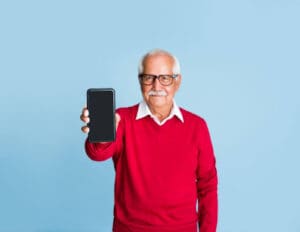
207,182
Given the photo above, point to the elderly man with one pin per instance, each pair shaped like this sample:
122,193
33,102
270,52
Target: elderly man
166,178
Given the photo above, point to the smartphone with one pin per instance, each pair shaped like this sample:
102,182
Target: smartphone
101,107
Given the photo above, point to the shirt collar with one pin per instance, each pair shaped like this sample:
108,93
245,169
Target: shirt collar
143,111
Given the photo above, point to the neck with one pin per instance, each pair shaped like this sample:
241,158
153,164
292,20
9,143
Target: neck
161,112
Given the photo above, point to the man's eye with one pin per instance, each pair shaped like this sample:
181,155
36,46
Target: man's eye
164,78
148,77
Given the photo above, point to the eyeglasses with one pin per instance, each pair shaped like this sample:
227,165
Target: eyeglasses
164,79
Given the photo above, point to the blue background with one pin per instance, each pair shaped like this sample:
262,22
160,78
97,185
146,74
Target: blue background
240,67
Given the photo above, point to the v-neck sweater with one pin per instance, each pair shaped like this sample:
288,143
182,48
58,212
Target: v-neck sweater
162,174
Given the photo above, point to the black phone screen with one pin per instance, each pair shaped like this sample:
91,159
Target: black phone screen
101,107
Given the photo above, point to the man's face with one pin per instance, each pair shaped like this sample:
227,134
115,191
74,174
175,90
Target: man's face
157,65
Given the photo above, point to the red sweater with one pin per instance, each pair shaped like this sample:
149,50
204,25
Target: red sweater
161,172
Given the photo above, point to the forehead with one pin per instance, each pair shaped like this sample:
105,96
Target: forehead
158,64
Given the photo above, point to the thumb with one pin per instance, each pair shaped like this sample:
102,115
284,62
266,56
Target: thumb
118,119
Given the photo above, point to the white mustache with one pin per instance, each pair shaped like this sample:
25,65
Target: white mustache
157,93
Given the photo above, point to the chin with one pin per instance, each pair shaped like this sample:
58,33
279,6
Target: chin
157,101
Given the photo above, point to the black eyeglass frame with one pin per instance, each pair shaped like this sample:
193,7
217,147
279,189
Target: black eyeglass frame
173,76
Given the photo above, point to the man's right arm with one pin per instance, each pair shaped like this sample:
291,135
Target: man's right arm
102,150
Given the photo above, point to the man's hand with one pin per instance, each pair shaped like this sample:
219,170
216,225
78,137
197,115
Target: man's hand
86,119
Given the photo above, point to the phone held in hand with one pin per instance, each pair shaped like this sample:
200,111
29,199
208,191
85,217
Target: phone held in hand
101,107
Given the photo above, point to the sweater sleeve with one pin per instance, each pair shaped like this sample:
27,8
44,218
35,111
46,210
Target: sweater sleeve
104,151
207,182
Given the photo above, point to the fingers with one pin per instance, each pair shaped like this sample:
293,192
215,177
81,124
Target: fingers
86,119
85,111
85,115
85,129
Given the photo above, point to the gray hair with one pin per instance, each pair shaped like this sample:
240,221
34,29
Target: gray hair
176,66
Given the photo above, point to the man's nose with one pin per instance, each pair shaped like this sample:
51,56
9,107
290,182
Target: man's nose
156,84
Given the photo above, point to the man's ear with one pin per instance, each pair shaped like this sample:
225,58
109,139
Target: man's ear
177,82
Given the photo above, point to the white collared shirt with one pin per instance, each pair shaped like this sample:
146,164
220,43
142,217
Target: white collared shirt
144,111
